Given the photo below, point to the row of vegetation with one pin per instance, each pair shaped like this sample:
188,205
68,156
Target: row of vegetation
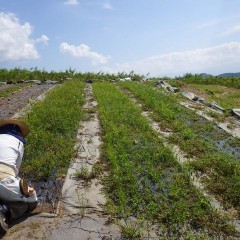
216,153
144,179
53,123
18,74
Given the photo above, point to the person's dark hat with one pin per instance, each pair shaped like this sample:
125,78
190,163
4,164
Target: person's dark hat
21,124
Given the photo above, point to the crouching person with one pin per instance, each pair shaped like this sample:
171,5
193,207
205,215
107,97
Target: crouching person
16,197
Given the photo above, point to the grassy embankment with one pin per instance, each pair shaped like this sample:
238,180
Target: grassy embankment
226,97
144,179
200,139
53,123
225,91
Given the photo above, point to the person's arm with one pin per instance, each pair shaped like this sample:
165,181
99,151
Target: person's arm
20,155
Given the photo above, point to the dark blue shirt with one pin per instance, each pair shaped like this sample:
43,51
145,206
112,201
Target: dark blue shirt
14,130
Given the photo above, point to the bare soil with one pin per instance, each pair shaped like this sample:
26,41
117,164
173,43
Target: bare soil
9,106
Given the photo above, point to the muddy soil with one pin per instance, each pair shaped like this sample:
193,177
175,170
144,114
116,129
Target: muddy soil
9,106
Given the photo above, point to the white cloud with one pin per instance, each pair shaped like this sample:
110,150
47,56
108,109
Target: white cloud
15,42
232,30
221,58
71,2
83,51
209,24
43,39
107,5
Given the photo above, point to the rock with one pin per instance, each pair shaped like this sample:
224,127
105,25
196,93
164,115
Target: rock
33,81
50,82
236,112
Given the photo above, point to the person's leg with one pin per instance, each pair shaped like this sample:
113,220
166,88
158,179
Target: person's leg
17,209
3,220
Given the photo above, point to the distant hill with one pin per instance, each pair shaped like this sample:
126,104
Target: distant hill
221,75
205,75
229,75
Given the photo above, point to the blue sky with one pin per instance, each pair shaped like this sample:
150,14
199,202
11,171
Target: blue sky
159,37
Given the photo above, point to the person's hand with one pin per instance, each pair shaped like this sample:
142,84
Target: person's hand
31,190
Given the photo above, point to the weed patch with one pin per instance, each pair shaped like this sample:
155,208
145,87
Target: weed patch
145,180
213,147
53,123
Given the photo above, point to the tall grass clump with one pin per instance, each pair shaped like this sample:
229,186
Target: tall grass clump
53,123
144,179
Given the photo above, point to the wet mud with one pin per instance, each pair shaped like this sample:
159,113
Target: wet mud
221,141
9,106
49,192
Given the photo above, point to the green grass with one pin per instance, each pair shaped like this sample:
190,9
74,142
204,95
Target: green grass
198,139
226,97
224,178
144,179
53,123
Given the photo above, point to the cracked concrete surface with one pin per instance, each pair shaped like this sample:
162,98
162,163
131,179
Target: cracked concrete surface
85,203
75,194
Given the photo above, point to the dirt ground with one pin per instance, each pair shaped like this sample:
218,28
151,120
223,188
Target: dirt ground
9,106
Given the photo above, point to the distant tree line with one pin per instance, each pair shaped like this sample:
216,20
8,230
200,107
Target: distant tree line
233,82
18,75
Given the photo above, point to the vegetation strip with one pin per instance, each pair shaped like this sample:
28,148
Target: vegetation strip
181,157
145,180
196,137
53,123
